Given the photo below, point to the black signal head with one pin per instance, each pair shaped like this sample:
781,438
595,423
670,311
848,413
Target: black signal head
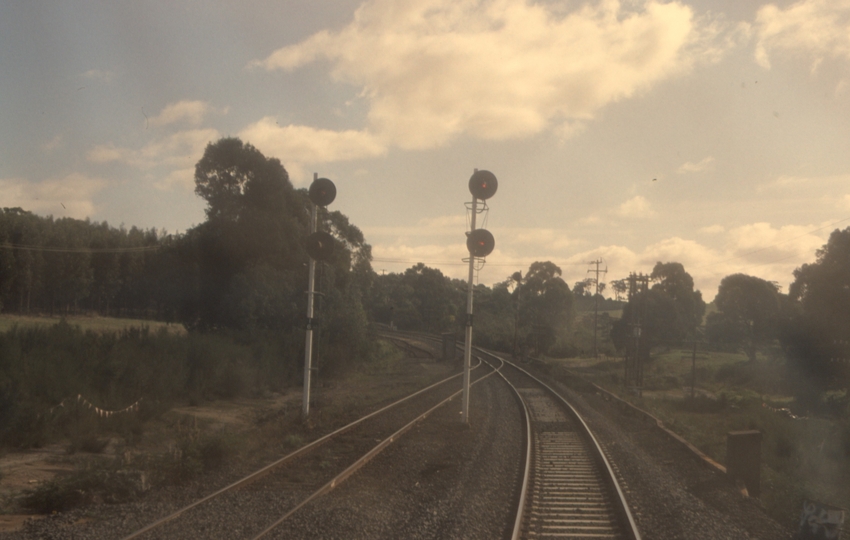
483,185
320,246
480,243
322,192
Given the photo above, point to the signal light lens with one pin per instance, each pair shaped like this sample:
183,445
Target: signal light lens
320,246
483,185
480,243
322,192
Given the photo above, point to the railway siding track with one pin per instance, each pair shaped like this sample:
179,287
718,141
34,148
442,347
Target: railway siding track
292,481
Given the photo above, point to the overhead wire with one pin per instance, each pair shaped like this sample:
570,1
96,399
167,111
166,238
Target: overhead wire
137,249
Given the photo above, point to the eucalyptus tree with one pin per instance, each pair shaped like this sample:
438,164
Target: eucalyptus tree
816,335
748,313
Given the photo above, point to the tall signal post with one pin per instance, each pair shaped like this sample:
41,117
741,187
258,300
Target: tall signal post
480,243
320,247
597,262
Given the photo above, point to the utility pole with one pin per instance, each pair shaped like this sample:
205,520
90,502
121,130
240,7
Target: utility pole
597,262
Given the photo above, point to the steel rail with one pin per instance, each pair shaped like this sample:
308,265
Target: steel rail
256,475
351,469
622,506
526,476
406,345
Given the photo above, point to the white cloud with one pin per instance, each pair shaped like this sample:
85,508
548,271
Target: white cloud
299,145
636,207
425,228
53,144
820,28
192,112
182,149
181,178
702,165
99,75
70,196
433,70
713,229
762,243
844,202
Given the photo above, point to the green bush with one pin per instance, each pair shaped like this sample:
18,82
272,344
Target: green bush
44,366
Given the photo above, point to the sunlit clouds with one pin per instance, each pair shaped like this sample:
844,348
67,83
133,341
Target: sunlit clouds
635,131
817,28
434,70
702,165
299,145
70,196
177,150
635,208
191,112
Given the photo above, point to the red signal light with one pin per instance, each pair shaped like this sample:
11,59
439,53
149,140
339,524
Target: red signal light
483,185
480,243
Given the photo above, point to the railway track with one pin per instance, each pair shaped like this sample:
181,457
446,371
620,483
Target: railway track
281,488
569,489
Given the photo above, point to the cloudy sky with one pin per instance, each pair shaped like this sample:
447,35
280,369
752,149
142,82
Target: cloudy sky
714,133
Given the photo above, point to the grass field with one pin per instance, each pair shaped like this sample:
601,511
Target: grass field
85,322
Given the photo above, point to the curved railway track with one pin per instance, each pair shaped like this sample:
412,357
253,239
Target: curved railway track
267,484
569,489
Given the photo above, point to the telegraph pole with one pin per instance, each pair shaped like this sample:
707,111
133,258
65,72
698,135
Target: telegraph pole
597,262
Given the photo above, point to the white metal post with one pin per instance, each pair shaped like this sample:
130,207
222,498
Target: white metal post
308,343
467,352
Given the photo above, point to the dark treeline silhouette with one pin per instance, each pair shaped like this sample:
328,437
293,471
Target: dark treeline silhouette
530,314
62,266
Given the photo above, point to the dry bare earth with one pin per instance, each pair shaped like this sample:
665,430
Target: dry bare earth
336,403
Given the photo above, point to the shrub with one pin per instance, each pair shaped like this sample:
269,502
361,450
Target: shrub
105,482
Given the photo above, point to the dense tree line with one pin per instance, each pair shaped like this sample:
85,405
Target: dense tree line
811,324
241,270
535,312
667,313
69,266
809,327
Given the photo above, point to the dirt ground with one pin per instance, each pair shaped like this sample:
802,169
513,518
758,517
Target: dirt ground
22,471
